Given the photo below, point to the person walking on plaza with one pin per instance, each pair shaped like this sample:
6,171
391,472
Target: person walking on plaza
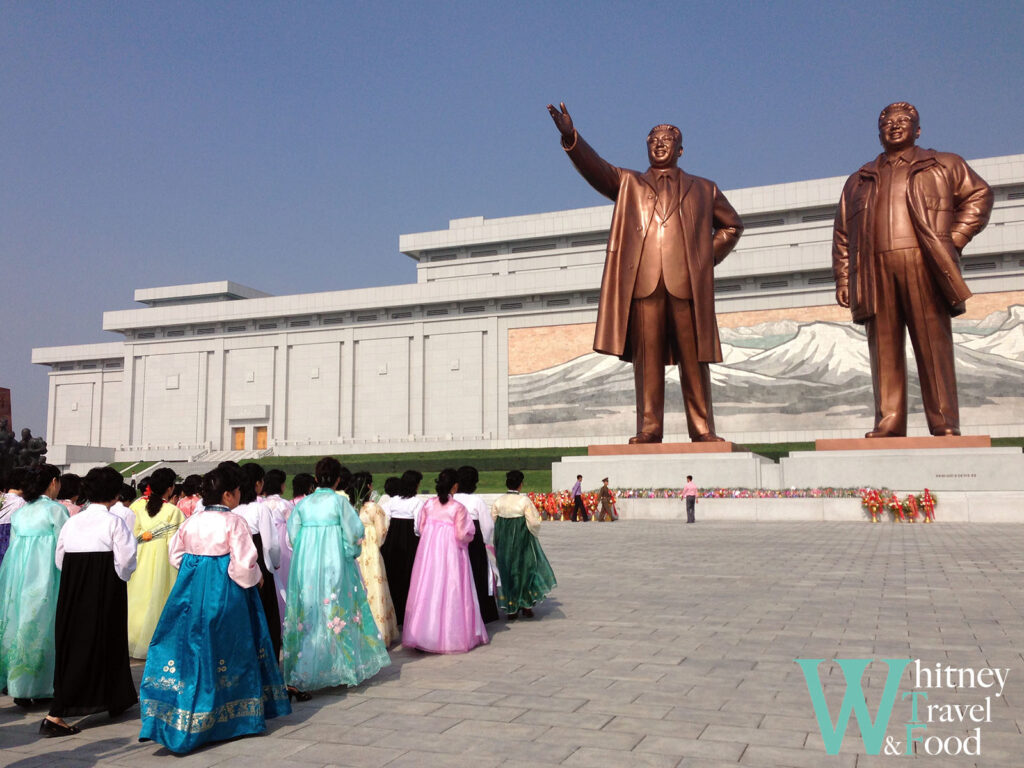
29,583
604,498
578,510
371,564
97,555
690,497
482,543
155,521
526,575
266,540
211,674
399,549
11,500
443,615
330,637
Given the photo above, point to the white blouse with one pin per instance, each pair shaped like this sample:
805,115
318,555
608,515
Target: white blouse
261,521
478,511
94,529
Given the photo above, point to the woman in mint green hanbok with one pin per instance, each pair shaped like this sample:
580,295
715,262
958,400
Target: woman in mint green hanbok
29,582
330,637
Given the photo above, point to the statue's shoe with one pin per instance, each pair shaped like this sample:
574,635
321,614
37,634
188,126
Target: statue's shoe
947,432
644,437
708,437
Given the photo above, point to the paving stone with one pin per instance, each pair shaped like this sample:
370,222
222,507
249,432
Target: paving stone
659,666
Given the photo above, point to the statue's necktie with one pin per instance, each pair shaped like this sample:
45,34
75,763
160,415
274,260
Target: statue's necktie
666,196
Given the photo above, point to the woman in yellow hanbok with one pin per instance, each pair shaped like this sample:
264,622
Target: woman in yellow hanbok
156,521
371,564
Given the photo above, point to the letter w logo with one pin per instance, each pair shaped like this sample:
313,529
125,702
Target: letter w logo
872,732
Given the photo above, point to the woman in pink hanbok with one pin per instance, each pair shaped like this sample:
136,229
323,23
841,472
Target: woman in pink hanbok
443,615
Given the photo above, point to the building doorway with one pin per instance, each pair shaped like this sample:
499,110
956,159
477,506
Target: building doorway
238,438
260,437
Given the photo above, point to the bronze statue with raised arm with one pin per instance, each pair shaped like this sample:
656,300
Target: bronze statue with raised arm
902,222
657,305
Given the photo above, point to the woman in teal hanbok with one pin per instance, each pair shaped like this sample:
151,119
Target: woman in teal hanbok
29,582
210,672
330,636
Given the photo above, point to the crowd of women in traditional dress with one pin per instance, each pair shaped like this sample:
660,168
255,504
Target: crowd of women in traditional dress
239,599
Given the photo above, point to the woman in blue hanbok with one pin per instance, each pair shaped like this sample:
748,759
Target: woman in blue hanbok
29,583
330,637
211,673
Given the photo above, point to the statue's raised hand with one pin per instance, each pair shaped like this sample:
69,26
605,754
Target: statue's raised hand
562,119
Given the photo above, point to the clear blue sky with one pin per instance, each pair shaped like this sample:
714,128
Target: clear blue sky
287,145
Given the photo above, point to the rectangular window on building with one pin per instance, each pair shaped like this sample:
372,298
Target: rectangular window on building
488,252
205,331
332,320
754,224
533,247
773,284
436,312
511,305
299,324
401,315
728,288
236,328
473,309
267,326
558,302
175,333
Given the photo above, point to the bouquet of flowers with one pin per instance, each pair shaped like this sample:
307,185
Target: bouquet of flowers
910,505
896,508
928,502
871,500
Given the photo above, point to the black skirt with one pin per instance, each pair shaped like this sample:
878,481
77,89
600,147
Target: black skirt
482,575
399,553
268,596
92,672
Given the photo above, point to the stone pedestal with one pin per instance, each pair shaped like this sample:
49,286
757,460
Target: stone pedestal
880,464
657,466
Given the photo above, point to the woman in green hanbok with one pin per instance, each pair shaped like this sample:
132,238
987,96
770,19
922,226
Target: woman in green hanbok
330,636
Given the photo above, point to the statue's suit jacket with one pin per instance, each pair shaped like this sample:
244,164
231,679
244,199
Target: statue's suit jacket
944,195
710,229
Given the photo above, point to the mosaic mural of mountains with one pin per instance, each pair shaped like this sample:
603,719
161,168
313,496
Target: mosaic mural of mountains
816,368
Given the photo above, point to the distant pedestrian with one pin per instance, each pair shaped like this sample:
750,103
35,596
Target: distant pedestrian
578,510
606,503
690,497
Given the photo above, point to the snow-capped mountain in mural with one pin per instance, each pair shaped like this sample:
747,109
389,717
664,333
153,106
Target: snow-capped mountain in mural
784,367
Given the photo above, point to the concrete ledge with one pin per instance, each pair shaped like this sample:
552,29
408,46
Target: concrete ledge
977,507
720,470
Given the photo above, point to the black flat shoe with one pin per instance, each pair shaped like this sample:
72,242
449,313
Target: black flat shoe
295,693
527,613
23,703
50,729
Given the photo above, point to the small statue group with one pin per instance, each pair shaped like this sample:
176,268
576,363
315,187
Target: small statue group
28,452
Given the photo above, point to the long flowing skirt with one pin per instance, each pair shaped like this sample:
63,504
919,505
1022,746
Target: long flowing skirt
442,615
268,597
148,589
526,575
281,577
482,576
330,637
399,552
211,673
29,582
92,671
378,595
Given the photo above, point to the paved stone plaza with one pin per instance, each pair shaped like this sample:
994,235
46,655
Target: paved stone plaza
665,645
